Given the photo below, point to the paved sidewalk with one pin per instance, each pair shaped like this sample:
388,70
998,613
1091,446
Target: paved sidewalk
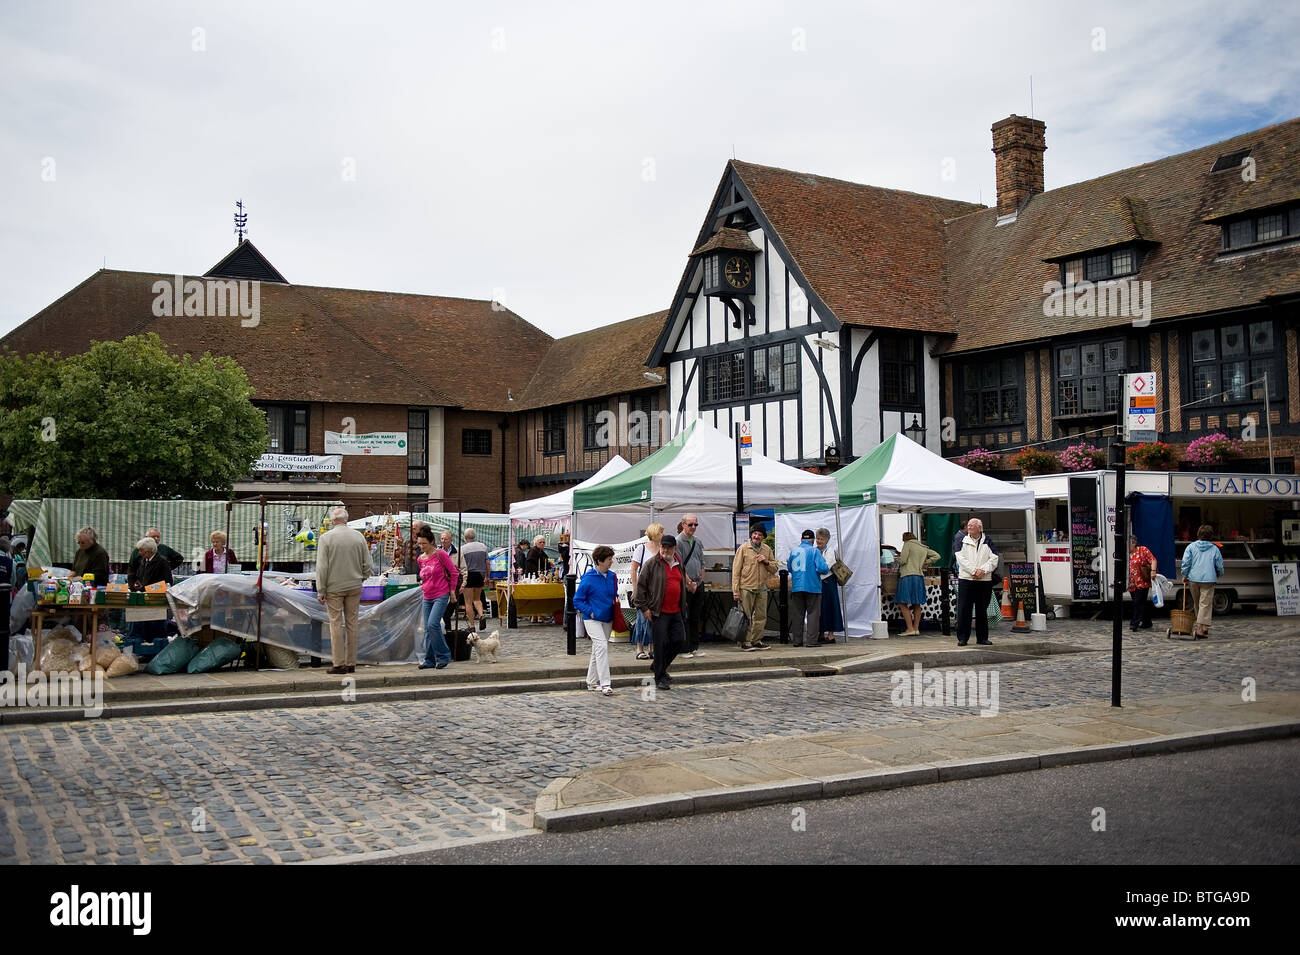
717,778
535,659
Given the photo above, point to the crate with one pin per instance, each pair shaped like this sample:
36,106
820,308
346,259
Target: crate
392,590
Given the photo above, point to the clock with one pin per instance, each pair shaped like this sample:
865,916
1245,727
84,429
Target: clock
739,272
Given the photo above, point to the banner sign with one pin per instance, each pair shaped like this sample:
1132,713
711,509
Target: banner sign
391,443
1085,539
1286,589
300,463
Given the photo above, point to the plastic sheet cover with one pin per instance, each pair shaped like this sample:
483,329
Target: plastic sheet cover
390,632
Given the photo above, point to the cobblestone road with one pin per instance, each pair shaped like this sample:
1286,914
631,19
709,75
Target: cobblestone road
288,785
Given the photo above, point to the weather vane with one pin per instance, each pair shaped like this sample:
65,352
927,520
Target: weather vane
241,220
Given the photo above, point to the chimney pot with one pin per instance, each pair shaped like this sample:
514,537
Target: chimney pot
1018,143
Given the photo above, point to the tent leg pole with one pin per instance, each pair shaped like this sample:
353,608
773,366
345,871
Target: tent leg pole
839,546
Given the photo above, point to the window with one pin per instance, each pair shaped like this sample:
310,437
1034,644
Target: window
417,447
643,424
591,425
1087,375
1100,266
476,441
286,429
724,377
1271,226
759,373
990,392
553,431
900,371
1229,364
776,369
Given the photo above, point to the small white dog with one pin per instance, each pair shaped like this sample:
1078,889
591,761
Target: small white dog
487,646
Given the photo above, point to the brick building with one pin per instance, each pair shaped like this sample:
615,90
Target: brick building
447,377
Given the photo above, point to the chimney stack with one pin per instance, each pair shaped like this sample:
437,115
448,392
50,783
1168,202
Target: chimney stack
1018,143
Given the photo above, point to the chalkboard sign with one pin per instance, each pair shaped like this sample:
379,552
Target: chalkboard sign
1085,539
1024,586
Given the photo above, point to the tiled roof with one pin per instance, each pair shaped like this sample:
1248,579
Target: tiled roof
996,274
874,256
737,239
603,361
314,344
1116,221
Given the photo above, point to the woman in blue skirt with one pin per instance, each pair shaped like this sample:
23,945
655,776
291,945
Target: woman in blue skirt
832,619
910,597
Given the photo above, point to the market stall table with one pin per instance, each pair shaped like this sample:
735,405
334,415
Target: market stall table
535,600
43,612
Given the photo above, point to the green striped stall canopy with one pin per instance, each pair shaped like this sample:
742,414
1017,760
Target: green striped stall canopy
490,529
186,527
23,514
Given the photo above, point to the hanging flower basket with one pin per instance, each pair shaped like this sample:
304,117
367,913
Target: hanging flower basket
977,459
1082,457
1036,461
1152,456
1213,449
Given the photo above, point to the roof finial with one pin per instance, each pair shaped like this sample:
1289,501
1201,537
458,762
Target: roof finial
241,220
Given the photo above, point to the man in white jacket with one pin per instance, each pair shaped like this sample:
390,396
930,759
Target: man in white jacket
976,561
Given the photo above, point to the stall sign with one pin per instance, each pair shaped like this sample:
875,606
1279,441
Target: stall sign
1140,407
742,527
1286,589
1235,485
746,443
1023,578
1085,540
300,463
377,443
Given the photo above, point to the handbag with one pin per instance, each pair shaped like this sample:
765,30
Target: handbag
994,612
620,622
841,571
736,625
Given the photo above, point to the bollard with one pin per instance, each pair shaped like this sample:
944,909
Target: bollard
571,615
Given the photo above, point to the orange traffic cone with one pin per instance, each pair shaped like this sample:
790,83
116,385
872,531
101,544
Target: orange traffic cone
1020,625
1007,612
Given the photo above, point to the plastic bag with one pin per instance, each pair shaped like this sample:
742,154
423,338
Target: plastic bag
20,609
106,649
22,646
124,664
1162,585
57,655
1157,598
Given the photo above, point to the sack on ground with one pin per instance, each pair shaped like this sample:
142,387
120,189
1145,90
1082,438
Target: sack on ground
123,665
174,657
736,625
218,653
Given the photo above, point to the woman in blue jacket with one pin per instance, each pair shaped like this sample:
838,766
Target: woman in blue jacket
594,600
1202,567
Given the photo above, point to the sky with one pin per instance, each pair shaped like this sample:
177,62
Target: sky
560,157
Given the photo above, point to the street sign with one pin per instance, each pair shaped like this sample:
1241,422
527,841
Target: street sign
1140,422
746,442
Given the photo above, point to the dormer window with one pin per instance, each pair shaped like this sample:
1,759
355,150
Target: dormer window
1274,225
1100,266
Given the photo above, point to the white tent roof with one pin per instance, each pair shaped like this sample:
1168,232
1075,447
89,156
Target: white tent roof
560,504
901,475
697,470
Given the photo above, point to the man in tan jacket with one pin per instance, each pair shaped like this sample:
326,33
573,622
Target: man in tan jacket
753,564
342,565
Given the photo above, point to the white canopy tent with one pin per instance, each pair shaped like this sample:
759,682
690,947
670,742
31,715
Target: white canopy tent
560,504
899,476
696,471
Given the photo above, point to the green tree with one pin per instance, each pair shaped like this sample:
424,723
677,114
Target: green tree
125,420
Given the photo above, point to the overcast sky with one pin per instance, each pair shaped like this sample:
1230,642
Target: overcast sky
565,153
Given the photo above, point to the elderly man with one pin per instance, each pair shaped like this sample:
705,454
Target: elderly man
342,565
750,569
173,559
690,551
977,558
91,558
659,596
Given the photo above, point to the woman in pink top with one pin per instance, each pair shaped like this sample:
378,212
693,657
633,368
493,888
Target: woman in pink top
439,579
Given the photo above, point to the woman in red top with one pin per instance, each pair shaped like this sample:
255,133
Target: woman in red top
1141,568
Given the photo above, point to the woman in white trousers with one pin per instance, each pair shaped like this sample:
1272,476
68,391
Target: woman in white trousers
594,600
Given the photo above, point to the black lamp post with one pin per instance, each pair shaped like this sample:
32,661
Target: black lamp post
915,431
